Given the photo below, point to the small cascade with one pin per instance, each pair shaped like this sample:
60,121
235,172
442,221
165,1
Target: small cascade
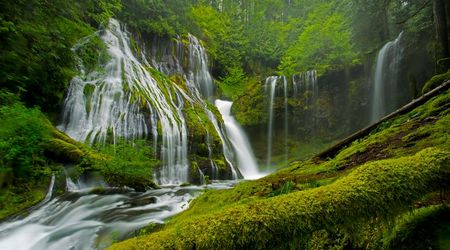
305,82
386,79
278,89
246,159
198,68
270,85
49,194
286,125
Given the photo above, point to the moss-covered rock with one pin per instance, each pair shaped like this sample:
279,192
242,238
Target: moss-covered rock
436,81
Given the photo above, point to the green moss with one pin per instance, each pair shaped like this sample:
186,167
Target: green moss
88,91
436,81
275,221
373,180
424,228
249,109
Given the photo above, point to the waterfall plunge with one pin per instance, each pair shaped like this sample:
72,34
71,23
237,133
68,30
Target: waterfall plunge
244,152
385,79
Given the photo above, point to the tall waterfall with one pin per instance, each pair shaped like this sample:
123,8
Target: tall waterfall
198,68
386,79
244,152
271,83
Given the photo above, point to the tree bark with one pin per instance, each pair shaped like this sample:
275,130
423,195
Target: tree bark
440,22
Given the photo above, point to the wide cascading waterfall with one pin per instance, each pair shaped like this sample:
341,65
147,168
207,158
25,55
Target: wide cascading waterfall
244,152
111,103
270,85
385,79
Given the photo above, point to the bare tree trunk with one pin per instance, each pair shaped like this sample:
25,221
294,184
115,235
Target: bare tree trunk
440,20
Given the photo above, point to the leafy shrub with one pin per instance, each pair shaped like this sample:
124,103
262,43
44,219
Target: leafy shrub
22,133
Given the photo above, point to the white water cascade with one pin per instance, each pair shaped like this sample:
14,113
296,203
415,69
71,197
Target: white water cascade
304,84
83,220
271,83
385,79
115,107
246,159
200,86
198,68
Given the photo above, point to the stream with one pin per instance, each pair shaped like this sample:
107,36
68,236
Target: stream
80,219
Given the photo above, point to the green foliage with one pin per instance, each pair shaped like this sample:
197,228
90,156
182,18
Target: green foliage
233,85
324,44
222,38
285,189
129,164
22,133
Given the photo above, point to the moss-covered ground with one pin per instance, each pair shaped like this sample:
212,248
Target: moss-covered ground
356,199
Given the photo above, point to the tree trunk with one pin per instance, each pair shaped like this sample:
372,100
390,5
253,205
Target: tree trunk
440,21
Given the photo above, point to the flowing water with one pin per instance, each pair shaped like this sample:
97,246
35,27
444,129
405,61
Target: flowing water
301,85
386,79
82,220
111,103
246,159
271,83
123,100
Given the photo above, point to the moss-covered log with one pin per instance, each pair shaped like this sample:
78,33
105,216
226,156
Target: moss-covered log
330,152
376,189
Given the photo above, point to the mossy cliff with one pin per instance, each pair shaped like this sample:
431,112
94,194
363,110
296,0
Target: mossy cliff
356,199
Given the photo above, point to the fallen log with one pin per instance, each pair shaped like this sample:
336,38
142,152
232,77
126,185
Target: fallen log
332,151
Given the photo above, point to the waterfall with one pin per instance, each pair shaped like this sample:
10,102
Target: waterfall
198,68
385,79
199,82
286,125
303,85
111,103
124,99
271,83
246,159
